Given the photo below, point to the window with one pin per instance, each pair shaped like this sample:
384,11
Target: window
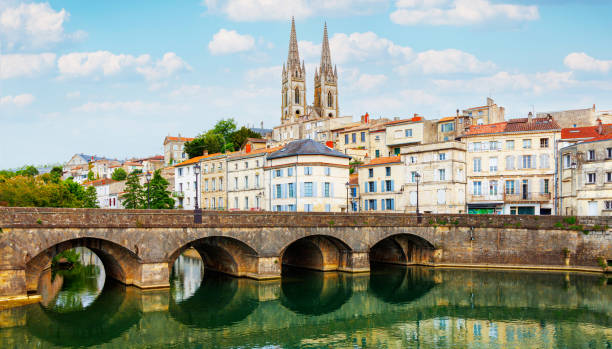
236,203
308,189
297,96
370,172
327,171
246,164
206,185
246,202
371,187
477,188
214,184
608,205
290,172
545,186
326,189
442,174
363,136
442,156
308,208
278,208
609,153
492,164
235,166
608,177
370,205
346,138
220,184
278,173
180,186
387,171
388,185
330,99
354,137
291,207
291,190
353,191
413,160
236,183
510,188
180,171
256,181
388,204
278,193
526,162
543,142
447,127
477,165
256,164
494,145
246,182
567,161
509,145
476,146
493,188
591,155
377,152
413,176
408,132
526,143
591,177
307,170
510,162
544,162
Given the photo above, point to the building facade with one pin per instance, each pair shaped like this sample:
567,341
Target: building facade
185,185
413,131
246,176
307,176
214,194
174,149
381,183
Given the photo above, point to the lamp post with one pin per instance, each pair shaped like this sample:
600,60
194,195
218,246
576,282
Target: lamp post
197,214
348,186
148,177
417,176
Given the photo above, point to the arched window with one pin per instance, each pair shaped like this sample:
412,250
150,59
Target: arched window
330,99
297,96
285,99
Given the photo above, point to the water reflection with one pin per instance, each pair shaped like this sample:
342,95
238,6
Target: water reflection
400,284
187,274
313,292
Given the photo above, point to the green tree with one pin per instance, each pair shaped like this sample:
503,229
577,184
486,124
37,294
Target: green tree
210,141
119,174
225,128
160,196
56,173
90,175
134,195
90,197
28,171
240,136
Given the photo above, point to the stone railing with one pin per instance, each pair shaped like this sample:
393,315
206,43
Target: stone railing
105,218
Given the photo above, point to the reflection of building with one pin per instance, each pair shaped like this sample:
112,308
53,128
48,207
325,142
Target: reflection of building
307,176
511,166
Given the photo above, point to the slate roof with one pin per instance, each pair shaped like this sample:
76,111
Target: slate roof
306,147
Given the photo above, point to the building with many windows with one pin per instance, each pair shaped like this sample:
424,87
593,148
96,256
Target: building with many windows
442,171
413,131
185,187
307,176
511,166
174,151
213,186
381,184
585,183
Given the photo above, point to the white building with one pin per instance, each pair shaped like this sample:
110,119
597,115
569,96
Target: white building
185,187
307,176
103,192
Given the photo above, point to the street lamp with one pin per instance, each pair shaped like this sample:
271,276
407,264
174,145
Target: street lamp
417,176
348,186
197,214
148,177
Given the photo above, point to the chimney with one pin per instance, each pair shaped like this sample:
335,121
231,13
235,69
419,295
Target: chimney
330,144
599,126
248,148
367,118
262,125
457,112
205,152
529,116
593,106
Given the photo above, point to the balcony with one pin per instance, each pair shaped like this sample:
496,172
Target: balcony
485,198
527,197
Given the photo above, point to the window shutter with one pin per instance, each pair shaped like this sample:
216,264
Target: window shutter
374,186
392,185
542,186
393,204
367,204
314,189
517,186
382,186
382,204
519,162
374,204
485,146
367,187
322,189
471,147
285,189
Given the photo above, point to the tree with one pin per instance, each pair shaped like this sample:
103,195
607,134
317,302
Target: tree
90,199
27,171
119,174
90,175
56,173
160,196
210,141
134,195
239,137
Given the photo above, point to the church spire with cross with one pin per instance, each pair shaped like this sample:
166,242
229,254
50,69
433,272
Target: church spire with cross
326,82
294,84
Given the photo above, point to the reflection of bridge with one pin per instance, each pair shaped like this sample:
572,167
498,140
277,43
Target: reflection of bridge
137,247
337,303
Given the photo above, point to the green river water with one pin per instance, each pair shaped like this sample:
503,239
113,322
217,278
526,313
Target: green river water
392,307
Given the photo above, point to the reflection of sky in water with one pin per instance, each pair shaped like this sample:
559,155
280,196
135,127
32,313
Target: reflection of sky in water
72,297
187,273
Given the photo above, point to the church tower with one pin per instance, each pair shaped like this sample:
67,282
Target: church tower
294,83
326,83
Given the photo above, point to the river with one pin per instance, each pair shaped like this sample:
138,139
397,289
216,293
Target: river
392,307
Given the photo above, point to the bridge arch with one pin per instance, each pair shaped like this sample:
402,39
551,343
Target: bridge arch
119,262
316,252
222,254
402,248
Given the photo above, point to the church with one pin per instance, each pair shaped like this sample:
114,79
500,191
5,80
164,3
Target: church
299,120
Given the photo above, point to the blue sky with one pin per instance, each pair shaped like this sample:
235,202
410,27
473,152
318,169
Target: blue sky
114,78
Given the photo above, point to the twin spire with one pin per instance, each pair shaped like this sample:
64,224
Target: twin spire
293,56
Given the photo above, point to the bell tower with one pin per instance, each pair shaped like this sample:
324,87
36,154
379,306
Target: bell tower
293,90
326,83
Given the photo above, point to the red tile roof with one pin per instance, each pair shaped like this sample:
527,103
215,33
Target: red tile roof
101,181
515,125
584,132
412,119
448,118
384,160
485,129
599,138
181,139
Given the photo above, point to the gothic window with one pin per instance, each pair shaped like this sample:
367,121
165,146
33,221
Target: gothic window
297,96
330,99
286,99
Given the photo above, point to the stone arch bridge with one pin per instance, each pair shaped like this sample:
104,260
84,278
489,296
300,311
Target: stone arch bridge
138,247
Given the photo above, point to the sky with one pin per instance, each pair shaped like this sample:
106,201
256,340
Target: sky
113,78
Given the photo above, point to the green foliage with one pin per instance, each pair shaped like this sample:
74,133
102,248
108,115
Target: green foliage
559,225
222,137
90,175
569,220
40,191
239,137
90,198
56,173
160,196
137,171
210,141
71,256
602,263
39,221
577,227
134,194
119,174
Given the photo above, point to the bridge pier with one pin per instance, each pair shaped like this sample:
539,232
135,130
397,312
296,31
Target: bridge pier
13,284
152,275
354,262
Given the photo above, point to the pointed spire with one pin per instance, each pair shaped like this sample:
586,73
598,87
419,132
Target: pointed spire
293,58
326,65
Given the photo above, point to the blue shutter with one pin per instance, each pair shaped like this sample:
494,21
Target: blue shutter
382,186
273,173
393,204
374,203
392,185
374,187
281,172
382,204
367,187
314,189
367,204
302,189
322,189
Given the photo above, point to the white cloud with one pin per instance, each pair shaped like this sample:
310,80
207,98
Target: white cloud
17,65
229,41
446,62
265,74
17,100
504,81
459,12
582,61
134,107
368,82
169,65
187,91
32,25
80,64
255,10
73,94
419,97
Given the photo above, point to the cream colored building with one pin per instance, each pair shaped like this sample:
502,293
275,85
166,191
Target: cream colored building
246,183
364,141
213,189
381,183
490,113
585,185
307,176
104,168
413,131
511,166
442,168
174,151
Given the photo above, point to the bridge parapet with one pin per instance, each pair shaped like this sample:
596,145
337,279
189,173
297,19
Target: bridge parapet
11,217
